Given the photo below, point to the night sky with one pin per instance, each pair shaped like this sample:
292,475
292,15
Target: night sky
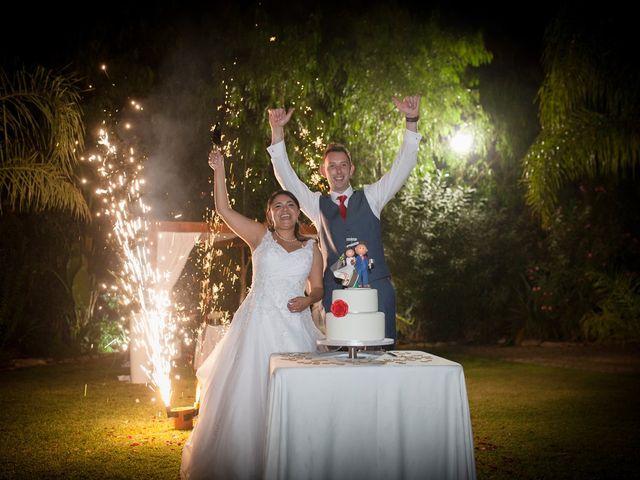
49,33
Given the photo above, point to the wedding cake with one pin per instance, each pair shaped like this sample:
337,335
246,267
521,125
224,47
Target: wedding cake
354,315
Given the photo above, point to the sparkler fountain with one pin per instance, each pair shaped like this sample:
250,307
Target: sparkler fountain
151,329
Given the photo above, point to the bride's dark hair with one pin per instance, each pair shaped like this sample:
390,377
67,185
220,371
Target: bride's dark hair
271,226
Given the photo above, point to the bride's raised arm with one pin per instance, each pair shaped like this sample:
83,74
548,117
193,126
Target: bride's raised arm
249,230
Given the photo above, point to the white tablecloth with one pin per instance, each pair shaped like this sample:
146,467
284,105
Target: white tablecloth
375,417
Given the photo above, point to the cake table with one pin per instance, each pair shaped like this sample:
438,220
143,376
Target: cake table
400,415
354,345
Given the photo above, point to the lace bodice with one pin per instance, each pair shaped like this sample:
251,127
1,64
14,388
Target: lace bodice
279,275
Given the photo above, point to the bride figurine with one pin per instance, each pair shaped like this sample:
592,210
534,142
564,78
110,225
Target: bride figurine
345,268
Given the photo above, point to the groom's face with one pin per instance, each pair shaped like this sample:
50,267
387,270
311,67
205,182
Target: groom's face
337,169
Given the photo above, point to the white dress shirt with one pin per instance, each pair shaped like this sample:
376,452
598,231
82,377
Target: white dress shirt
377,194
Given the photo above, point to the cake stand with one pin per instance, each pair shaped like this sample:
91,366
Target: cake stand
355,345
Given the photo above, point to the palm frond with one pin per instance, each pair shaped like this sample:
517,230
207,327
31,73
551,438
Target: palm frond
41,134
587,146
589,112
40,187
587,66
42,110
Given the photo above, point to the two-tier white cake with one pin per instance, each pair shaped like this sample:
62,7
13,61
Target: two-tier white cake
354,315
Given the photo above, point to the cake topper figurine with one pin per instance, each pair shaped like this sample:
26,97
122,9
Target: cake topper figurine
363,265
352,268
344,269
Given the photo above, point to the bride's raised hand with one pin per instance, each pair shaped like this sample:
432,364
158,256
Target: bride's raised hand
216,158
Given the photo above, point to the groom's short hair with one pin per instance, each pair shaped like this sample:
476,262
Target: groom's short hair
336,147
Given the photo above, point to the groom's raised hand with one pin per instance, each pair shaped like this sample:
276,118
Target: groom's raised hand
410,106
278,118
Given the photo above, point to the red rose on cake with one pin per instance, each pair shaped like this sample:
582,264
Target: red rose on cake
339,308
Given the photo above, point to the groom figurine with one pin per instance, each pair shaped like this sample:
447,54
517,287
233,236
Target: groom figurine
345,215
363,264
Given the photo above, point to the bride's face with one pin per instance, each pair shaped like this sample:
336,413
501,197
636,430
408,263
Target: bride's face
284,212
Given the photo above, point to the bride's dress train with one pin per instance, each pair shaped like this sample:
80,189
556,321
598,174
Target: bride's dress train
228,439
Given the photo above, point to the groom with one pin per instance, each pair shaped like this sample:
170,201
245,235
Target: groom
346,216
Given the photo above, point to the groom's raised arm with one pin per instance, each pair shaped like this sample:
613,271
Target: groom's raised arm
380,192
285,174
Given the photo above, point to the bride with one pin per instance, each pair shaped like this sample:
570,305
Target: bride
228,439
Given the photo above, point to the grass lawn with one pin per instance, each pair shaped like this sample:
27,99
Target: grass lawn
538,422
529,422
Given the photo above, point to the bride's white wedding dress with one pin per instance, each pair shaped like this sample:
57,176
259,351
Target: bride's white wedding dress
227,441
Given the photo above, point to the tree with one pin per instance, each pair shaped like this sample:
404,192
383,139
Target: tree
42,133
589,107
580,175
340,79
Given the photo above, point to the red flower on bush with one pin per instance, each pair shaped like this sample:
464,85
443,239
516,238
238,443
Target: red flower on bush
339,308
